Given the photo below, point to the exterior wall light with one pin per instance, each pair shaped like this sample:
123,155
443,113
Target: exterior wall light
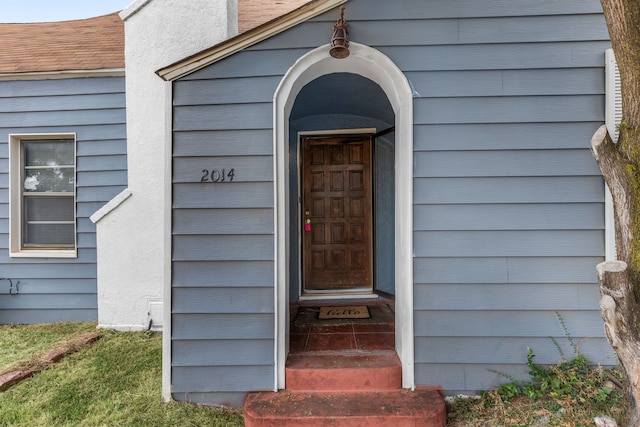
340,39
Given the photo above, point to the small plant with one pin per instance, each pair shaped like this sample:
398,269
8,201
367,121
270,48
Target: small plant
622,126
571,392
509,390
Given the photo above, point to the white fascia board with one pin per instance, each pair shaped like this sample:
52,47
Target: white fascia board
67,74
111,205
132,9
247,39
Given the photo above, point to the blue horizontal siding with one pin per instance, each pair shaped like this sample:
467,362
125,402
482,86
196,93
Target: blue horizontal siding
230,117
505,270
69,118
470,163
491,136
225,353
223,247
414,9
213,378
224,143
510,296
515,109
510,243
31,301
508,201
61,270
57,289
233,91
88,132
231,326
526,216
61,103
452,31
98,163
61,87
485,83
516,56
505,323
47,286
223,221
243,64
230,195
509,190
498,350
24,316
223,300
223,273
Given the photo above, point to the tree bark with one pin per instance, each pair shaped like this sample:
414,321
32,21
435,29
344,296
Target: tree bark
620,166
617,310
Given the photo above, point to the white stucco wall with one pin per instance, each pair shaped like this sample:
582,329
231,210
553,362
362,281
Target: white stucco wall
134,234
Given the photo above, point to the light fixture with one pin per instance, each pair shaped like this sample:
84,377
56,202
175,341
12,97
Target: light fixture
340,39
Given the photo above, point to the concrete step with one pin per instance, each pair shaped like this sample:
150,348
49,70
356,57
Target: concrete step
344,371
400,408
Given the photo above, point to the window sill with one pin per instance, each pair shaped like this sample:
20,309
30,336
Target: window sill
38,253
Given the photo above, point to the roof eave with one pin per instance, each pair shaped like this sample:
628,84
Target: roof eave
65,74
249,38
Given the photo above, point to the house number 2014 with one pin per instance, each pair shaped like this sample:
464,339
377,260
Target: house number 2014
217,175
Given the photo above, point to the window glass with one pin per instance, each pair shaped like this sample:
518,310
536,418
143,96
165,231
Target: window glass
48,166
48,200
49,153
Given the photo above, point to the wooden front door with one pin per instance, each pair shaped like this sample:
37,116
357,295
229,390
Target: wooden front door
336,214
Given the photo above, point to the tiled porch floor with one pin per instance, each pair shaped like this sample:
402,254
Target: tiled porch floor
349,335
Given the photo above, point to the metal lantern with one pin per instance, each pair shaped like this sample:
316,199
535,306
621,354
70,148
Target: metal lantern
340,39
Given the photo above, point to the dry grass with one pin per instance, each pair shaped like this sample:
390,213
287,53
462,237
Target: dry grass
550,409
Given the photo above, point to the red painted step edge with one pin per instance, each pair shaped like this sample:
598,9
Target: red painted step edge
372,409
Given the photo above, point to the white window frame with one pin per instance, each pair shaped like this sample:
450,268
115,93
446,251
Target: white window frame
15,199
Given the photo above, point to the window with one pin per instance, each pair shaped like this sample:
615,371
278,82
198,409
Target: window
42,195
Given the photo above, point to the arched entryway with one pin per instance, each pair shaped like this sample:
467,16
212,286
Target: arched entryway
342,131
366,72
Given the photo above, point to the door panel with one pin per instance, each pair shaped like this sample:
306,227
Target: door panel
337,214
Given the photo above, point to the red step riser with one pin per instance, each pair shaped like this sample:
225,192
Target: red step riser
344,371
346,379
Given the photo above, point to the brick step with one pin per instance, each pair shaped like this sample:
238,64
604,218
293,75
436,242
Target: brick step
344,371
400,408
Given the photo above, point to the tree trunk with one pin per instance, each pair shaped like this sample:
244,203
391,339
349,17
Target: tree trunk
620,166
614,304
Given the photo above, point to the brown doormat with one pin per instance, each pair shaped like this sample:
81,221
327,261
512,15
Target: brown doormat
344,312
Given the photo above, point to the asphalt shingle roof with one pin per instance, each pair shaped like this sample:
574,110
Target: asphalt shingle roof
97,43
86,44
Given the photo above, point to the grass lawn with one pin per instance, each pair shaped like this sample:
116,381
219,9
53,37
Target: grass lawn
113,382
19,342
117,382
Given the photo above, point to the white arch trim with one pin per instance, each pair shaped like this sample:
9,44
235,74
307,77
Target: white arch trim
374,65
